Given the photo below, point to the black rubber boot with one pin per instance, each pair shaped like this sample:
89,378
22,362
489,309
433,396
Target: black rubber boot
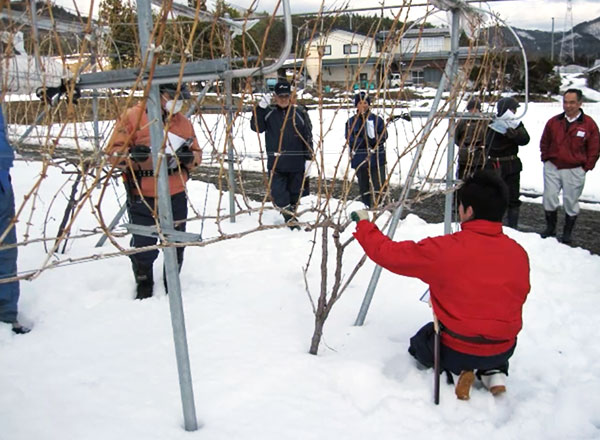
144,279
19,329
550,231
512,217
289,217
568,229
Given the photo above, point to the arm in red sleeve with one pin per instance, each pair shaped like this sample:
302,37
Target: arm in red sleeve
545,141
593,148
418,260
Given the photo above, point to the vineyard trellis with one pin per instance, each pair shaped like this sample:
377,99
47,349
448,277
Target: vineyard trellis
68,129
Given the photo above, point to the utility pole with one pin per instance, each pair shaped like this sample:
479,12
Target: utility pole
567,45
552,44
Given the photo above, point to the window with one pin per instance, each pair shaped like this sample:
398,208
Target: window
435,44
418,77
350,48
324,50
426,44
409,45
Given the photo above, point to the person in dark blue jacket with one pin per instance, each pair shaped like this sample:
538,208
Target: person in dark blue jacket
9,292
366,135
288,141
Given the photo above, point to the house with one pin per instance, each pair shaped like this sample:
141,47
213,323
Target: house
343,58
352,60
570,68
420,55
593,76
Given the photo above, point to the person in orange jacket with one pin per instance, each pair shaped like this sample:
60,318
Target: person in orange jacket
478,280
129,149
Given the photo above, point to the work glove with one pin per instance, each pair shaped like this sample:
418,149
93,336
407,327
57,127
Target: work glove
361,214
265,101
404,116
185,153
139,153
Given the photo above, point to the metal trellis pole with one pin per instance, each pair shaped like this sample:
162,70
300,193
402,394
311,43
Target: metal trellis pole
166,222
449,201
229,104
446,79
95,106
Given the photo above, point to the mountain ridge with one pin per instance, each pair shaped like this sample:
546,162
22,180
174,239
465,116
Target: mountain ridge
538,43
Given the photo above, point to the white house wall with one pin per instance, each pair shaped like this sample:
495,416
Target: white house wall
347,75
332,46
337,39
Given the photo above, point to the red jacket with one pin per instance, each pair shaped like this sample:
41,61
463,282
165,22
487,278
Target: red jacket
478,279
132,128
571,145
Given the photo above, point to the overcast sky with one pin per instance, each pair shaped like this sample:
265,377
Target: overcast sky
526,14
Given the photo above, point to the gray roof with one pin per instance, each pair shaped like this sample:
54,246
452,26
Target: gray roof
413,33
594,68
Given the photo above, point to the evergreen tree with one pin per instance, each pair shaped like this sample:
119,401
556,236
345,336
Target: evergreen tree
123,43
542,78
193,3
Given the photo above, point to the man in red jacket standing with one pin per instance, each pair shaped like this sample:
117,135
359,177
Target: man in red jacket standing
478,280
570,146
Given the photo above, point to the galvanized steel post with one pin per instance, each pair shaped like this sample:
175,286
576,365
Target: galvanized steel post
166,222
229,124
449,201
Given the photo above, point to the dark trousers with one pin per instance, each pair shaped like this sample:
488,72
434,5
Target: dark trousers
285,187
421,348
370,180
9,292
141,214
510,171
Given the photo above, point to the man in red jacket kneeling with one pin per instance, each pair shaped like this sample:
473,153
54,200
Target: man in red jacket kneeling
478,280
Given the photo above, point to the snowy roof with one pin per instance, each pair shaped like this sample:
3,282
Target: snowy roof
595,67
571,68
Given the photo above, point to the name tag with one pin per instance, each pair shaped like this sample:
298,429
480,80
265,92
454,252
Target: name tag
581,134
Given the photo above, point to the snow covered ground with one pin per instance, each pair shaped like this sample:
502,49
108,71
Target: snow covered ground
210,130
99,365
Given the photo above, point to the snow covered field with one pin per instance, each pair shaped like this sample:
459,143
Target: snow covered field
211,132
99,365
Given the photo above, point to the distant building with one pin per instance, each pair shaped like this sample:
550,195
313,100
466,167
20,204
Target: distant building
420,55
352,60
570,68
343,58
593,76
